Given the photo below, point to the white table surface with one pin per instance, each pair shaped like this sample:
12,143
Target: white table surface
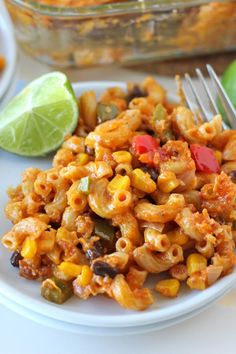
211,332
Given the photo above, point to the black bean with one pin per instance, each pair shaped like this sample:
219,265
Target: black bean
151,171
55,225
89,151
220,220
136,91
97,251
15,258
103,269
232,174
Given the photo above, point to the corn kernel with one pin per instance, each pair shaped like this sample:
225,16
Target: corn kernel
85,277
168,287
178,237
218,156
82,159
142,181
122,156
70,269
195,263
197,282
118,183
167,182
29,248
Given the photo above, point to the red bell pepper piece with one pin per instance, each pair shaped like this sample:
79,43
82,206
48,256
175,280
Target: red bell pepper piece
144,143
205,159
147,158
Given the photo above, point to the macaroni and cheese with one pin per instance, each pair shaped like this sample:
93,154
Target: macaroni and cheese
142,187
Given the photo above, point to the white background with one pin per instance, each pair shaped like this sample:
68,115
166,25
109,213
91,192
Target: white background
211,332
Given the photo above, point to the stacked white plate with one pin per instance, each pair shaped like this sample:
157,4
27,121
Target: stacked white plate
8,50
99,315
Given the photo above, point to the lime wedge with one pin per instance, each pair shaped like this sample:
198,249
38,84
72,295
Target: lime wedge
36,121
229,84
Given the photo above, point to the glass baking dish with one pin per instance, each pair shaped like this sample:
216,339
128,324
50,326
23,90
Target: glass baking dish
125,32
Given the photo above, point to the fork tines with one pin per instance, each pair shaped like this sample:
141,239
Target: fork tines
204,112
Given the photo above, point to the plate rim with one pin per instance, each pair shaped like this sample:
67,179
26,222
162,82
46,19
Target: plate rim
98,331
10,69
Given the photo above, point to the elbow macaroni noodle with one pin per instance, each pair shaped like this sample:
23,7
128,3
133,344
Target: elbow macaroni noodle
110,212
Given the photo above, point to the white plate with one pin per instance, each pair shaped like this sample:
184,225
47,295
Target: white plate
8,50
89,330
98,311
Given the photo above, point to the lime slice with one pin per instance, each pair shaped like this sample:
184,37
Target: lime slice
229,84
36,121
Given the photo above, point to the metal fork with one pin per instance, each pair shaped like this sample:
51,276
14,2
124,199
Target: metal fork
226,103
